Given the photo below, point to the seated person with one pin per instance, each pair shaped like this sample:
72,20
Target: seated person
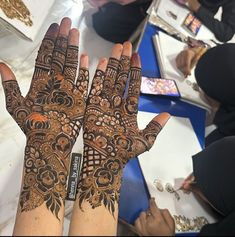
215,185
215,74
117,20
205,10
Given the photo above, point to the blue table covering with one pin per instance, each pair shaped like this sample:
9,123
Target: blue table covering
134,193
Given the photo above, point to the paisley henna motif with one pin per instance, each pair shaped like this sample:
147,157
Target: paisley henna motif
51,116
111,134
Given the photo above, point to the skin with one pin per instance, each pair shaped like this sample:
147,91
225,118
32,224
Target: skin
159,222
185,61
155,222
53,77
83,222
193,5
35,215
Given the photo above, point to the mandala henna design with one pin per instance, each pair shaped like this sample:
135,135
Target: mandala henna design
51,116
111,134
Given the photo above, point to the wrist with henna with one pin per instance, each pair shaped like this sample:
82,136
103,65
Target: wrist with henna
44,179
100,182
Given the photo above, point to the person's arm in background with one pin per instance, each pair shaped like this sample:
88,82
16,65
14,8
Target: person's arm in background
188,58
111,138
224,29
51,116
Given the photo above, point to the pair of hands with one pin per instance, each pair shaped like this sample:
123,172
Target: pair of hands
159,222
55,108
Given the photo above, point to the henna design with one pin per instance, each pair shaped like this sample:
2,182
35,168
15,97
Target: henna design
111,73
51,116
184,224
44,58
59,54
71,63
123,73
111,134
16,9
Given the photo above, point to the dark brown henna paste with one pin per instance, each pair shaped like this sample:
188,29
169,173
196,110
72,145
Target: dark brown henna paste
51,116
111,134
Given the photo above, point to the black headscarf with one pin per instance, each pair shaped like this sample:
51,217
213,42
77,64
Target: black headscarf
214,171
215,74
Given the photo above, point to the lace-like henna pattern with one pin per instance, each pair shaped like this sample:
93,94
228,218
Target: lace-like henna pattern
50,116
111,134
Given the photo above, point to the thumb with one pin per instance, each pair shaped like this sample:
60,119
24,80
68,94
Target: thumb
11,88
6,73
154,127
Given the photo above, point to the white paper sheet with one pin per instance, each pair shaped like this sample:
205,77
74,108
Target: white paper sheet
38,9
170,5
167,50
169,160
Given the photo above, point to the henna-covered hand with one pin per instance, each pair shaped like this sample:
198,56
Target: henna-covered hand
111,134
50,115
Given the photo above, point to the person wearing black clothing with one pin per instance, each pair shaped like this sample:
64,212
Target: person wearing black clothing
205,10
213,180
116,22
215,74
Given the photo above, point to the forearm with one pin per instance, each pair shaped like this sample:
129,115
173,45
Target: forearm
96,208
38,222
93,222
41,202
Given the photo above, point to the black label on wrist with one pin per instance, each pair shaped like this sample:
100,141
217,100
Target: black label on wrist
75,166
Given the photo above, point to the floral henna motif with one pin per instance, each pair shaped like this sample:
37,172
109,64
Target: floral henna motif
51,116
111,134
